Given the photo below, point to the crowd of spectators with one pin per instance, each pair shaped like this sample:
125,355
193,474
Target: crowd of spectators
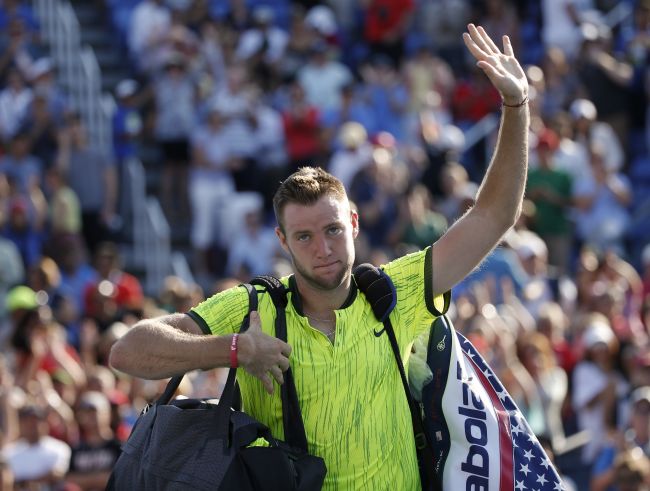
231,96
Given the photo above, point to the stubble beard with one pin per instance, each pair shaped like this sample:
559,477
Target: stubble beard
317,283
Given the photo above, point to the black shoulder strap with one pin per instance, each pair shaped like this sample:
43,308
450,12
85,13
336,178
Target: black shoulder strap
380,292
294,428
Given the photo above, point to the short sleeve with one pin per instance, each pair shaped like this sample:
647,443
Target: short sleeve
222,313
416,306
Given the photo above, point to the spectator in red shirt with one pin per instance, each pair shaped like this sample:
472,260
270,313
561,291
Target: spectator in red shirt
127,289
303,130
386,25
474,98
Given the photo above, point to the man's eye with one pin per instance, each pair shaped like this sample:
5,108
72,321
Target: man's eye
303,238
334,230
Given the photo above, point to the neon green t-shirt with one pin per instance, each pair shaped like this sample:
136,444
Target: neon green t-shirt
352,400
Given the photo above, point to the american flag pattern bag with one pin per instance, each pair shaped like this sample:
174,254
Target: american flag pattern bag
479,437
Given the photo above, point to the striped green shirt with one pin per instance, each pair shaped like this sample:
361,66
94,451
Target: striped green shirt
352,400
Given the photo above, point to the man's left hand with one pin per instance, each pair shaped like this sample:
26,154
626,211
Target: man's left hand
502,68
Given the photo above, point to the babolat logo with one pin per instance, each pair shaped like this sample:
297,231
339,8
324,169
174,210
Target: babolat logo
477,461
441,344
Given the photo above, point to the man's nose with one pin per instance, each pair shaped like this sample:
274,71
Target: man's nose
324,248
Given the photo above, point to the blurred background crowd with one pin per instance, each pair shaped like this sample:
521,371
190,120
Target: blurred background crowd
224,98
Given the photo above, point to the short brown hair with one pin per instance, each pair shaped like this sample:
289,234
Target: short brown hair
305,187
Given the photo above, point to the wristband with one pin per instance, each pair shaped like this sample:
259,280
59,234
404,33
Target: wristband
233,350
522,103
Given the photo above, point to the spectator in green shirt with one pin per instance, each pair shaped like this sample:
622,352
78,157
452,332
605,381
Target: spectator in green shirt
549,189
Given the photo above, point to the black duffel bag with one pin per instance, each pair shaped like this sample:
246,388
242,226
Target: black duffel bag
195,444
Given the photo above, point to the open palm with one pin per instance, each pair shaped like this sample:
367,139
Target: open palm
502,68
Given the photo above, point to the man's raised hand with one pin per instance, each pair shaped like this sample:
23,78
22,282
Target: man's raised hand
502,68
261,355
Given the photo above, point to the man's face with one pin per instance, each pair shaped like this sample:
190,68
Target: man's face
32,428
320,240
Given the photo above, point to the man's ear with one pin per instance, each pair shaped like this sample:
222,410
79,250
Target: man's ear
282,238
354,219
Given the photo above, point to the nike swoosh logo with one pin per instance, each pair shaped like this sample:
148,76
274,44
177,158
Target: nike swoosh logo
377,334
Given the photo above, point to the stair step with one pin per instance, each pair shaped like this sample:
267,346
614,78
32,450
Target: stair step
88,15
109,57
97,37
110,78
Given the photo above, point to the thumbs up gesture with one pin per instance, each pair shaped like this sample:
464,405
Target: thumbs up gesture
261,355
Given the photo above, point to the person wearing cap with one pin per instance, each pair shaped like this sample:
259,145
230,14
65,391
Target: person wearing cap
175,95
354,153
588,130
38,342
330,323
550,190
602,204
127,122
42,77
598,386
20,303
211,185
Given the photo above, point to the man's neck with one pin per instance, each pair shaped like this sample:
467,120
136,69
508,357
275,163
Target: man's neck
315,300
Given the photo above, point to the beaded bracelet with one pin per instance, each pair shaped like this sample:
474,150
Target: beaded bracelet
522,103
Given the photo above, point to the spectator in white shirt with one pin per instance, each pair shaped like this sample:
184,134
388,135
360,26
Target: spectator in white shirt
323,78
150,23
37,460
355,153
254,247
15,99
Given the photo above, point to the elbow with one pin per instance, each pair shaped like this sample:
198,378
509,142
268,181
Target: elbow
505,219
514,217
118,357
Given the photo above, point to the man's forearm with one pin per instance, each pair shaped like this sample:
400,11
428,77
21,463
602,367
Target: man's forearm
153,349
502,190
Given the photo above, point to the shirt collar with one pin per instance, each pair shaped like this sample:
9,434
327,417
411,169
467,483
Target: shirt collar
296,300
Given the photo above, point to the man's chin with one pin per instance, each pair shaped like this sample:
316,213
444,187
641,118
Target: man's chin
328,282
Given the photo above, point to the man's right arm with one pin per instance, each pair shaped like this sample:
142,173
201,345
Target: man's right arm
174,344
167,346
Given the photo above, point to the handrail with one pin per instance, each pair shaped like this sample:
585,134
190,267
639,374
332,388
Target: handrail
151,236
181,267
618,14
480,130
158,248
